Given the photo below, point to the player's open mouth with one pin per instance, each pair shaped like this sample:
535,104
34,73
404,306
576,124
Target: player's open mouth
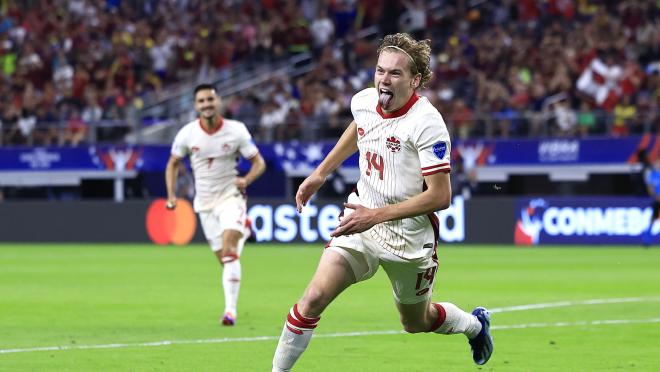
384,97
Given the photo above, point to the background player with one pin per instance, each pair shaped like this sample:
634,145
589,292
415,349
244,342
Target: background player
214,145
652,179
404,152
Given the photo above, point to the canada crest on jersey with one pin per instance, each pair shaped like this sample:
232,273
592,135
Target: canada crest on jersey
393,144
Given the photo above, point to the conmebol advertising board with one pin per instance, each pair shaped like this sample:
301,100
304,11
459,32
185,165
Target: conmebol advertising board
583,221
527,221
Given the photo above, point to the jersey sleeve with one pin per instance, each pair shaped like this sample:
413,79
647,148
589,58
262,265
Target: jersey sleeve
360,101
246,145
180,146
433,145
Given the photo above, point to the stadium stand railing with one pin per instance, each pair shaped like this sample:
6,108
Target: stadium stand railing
165,114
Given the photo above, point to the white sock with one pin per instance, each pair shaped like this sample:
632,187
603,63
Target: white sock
231,282
456,321
296,335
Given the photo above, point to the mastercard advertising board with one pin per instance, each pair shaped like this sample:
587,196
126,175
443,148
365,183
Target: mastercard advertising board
176,226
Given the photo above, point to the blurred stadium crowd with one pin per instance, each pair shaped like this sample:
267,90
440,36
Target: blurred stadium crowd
502,67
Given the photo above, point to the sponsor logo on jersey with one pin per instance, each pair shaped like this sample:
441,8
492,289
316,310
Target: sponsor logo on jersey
393,144
226,147
195,149
360,131
440,149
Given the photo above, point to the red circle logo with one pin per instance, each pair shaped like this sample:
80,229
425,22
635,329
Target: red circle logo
166,226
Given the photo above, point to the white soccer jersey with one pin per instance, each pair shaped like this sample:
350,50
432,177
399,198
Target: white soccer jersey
396,151
213,157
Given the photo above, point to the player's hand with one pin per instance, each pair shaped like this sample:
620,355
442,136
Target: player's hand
171,203
306,189
361,219
241,183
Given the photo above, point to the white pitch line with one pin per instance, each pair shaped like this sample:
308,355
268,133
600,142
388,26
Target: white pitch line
597,301
374,333
326,335
573,324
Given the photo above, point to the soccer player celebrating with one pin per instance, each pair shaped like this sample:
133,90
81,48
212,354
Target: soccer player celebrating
214,145
389,220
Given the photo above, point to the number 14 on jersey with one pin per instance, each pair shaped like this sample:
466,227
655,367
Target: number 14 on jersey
375,161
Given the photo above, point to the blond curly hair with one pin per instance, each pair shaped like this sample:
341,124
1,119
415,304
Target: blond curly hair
418,51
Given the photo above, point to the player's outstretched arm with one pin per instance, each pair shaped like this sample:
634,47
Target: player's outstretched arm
170,180
307,188
345,147
437,196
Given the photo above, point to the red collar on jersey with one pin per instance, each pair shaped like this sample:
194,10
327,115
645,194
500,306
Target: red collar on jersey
218,122
400,112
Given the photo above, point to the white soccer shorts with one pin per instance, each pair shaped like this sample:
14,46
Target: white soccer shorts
412,279
230,214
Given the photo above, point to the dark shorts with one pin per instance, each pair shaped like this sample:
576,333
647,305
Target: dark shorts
656,208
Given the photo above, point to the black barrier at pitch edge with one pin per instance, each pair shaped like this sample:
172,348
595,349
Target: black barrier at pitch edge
474,221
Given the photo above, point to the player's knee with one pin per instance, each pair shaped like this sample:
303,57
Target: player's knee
230,238
313,302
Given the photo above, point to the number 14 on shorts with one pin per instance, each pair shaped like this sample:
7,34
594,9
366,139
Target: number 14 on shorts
425,280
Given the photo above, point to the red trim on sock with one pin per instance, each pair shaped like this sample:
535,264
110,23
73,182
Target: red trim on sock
442,315
230,257
298,324
296,331
302,318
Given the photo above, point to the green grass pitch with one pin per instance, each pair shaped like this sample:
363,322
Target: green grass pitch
148,308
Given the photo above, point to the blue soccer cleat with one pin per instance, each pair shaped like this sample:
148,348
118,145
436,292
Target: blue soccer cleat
482,345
